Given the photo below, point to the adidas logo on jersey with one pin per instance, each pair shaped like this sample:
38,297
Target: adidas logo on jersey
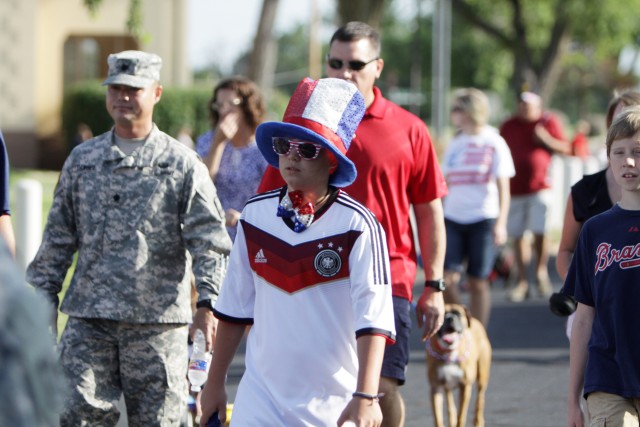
260,258
633,229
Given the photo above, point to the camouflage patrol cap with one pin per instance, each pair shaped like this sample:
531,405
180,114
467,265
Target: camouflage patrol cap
133,68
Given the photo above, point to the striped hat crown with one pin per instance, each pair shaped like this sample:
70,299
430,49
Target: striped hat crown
325,111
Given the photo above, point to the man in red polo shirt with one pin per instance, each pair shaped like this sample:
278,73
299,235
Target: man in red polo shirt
533,136
397,168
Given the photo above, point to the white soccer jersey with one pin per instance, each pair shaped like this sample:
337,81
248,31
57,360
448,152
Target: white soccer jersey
308,295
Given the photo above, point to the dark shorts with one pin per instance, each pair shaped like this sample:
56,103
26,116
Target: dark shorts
396,356
472,243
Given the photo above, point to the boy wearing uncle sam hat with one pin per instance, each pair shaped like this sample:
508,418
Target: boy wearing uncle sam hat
310,271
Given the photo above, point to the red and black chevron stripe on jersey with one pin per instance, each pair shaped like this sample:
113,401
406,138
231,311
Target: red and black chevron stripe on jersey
293,268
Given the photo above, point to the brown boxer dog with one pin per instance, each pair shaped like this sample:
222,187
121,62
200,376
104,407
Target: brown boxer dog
458,356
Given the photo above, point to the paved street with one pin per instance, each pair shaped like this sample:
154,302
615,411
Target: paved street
529,371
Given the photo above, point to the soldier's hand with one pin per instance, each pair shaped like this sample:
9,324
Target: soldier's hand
207,323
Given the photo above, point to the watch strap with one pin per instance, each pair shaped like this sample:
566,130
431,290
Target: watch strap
438,285
205,303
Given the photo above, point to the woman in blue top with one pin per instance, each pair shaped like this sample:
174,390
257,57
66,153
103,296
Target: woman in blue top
229,150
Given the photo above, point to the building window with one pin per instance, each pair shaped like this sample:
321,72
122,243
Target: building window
81,60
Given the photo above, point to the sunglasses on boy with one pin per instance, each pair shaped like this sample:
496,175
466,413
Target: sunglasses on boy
306,150
337,64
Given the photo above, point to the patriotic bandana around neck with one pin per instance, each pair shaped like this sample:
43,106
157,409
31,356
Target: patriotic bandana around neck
300,213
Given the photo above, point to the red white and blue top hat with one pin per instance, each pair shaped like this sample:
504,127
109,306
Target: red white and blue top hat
325,111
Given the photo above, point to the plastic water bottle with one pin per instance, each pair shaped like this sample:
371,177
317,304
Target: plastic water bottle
199,363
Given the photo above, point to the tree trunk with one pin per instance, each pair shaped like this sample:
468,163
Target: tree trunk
538,73
263,61
551,74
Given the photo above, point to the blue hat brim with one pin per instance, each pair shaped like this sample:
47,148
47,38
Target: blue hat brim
343,176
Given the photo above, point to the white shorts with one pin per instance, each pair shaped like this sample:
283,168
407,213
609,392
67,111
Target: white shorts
529,212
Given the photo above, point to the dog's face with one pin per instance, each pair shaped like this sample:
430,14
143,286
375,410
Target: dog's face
456,320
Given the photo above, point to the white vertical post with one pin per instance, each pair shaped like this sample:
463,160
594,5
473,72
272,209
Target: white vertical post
441,69
27,220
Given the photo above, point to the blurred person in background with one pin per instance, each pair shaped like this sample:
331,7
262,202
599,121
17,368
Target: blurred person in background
229,149
31,383
184,137
580,141
592,195
477,165
83,133
533,136
6,225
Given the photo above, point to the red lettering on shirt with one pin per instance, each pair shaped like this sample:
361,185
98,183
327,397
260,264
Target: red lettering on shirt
627,257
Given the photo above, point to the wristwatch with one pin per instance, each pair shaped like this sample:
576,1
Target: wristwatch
205,303
438,285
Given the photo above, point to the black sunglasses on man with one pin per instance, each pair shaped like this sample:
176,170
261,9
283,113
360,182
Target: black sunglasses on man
337,64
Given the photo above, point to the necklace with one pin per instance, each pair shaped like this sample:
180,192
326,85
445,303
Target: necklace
321,201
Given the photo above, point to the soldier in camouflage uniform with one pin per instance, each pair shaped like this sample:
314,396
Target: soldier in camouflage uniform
131,202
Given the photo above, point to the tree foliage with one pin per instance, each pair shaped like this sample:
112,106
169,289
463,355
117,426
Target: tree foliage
134,20
539,34
262,61
369,11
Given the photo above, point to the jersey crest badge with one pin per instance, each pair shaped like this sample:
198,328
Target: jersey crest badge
327,263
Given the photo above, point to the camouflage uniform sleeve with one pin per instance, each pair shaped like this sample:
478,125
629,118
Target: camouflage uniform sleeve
204,232
59,242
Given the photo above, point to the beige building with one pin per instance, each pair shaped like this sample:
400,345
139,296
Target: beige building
46,45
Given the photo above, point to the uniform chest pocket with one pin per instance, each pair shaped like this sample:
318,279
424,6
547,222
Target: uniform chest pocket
158,204
89,196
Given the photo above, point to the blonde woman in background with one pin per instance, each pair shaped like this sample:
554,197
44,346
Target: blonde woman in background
477,166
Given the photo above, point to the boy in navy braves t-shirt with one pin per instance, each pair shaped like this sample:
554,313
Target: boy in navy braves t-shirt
605,341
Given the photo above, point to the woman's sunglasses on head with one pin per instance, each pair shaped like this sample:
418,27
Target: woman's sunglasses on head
306,150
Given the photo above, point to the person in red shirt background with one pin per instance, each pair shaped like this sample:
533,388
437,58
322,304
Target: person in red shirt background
397,168
580,142
533,135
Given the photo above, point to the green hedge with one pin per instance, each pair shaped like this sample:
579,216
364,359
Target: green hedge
85,103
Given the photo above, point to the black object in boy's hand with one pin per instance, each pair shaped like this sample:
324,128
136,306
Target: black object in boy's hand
214,421
561,304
